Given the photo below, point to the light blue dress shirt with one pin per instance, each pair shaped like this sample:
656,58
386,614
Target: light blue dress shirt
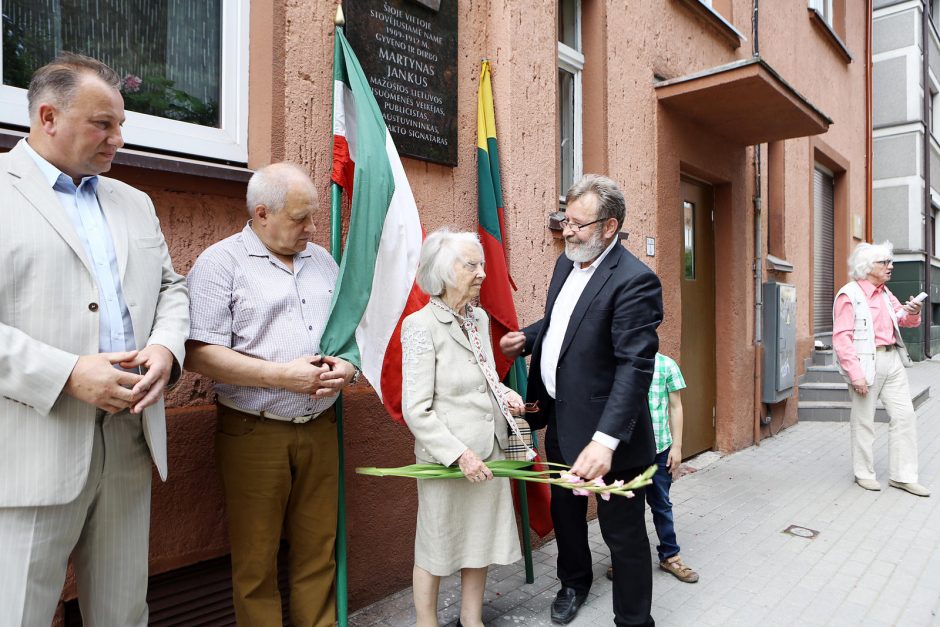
115,329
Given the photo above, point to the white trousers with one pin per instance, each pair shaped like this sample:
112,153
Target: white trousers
892,388
105,530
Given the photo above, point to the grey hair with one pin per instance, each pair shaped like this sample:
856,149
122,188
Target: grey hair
441,250
610,200
865,255
58,80
270,185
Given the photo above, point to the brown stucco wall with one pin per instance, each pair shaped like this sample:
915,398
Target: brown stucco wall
628,135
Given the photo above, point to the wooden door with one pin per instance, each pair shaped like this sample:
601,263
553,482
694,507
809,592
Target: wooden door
698,317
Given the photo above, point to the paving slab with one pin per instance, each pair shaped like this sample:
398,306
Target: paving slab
875,560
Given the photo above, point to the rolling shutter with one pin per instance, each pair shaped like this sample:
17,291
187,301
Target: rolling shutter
823,251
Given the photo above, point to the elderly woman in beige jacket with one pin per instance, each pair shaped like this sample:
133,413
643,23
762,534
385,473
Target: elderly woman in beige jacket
449,404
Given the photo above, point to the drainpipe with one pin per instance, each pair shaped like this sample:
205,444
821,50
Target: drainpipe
758,260
928,205
868,120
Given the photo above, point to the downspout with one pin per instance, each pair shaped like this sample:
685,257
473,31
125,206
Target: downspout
758,260
868,120
928,205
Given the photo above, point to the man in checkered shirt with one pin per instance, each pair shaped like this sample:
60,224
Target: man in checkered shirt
666,413
260,300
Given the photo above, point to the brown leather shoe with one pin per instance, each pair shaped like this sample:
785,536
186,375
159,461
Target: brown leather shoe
674,566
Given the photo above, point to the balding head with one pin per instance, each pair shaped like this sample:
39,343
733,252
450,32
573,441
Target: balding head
270,185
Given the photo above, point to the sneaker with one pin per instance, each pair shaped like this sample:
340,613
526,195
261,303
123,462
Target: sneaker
674,566
914,488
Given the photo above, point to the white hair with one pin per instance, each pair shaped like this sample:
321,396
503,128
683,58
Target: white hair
270,185
865,255
441,250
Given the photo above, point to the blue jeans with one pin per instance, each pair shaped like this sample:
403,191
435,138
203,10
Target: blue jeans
657,495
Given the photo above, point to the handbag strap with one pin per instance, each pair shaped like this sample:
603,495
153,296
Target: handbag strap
476,344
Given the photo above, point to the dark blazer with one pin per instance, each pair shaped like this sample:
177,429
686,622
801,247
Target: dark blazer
606,360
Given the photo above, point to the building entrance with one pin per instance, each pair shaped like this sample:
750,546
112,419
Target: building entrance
698,317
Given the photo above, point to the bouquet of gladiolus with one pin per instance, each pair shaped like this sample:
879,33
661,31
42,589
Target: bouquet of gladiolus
558,474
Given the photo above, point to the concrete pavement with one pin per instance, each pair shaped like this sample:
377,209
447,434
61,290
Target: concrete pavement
875,560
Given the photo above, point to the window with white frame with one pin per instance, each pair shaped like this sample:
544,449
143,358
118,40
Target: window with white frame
184,66
570,67
824,7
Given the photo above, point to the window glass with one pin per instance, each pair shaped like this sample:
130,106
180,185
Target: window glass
688,236
567,128
168,52
568,26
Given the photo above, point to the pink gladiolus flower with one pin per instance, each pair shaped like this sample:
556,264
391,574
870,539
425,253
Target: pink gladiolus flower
131,83
599,482
568,477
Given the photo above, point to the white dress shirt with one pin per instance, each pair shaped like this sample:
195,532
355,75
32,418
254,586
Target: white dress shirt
115,329
558,325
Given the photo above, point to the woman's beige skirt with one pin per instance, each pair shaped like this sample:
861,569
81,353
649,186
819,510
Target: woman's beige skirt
465,525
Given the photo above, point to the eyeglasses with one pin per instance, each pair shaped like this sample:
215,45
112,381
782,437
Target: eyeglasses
885,262
473,266
574,226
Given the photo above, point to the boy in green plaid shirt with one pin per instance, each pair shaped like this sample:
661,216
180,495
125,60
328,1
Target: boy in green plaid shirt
666,413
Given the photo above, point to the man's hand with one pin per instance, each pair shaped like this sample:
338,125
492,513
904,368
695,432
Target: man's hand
674,460
157,362
912,309
512,344
96,381
338,376
594,461
473,467
302,375
860,386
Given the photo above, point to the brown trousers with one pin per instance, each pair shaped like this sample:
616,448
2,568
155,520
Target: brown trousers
280,476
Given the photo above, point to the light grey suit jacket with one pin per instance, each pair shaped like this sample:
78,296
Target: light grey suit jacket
446,401
47,321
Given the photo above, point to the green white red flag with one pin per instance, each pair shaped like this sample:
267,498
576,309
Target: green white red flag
376,287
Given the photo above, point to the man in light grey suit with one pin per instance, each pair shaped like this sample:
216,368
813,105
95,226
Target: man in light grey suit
93,321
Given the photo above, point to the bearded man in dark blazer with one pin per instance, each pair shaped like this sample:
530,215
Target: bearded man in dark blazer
592,363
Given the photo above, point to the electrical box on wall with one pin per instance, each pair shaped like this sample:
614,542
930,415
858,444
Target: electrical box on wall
779,341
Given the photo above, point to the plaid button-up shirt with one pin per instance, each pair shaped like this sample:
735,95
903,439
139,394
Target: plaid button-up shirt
666,378
244,298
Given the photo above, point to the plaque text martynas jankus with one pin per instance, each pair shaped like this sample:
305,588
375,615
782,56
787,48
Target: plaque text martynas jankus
409,55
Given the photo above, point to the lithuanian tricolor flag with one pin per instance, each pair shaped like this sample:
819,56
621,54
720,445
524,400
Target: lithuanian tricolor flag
496,293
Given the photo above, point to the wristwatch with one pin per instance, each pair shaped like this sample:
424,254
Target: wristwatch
355,377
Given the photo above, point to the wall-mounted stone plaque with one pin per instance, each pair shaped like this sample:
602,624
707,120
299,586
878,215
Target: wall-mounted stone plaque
408,51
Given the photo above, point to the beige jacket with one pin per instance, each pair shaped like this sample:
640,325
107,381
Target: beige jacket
49,316
446,401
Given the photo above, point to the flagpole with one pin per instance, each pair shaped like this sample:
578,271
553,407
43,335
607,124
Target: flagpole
336,227
523,497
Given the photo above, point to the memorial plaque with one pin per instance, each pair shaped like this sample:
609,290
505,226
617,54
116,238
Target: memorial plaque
408,51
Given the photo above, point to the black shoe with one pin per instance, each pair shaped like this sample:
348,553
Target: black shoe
566,604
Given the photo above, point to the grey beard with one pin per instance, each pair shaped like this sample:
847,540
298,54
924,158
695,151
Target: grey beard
588,251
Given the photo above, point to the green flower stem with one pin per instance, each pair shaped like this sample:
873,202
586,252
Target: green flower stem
510,469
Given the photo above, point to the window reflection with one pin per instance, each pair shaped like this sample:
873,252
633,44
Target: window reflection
688,230
168,53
